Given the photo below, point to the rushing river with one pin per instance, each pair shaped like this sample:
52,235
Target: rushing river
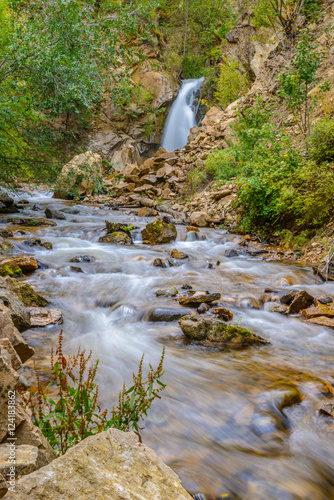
216,425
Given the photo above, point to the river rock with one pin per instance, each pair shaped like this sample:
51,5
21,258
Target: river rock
231,252
198,219
54,214
10,332
176,254
31,242
192,229
301,301
206,328
203,308
286,397
5,247
327,410
110,465
116,238
147,212
223,313
19,314
159,232
40,316
162,263
14,266
164,314
24,292
198,297
82,258
82,176
32,222
287,298
169,291
6,233
5,199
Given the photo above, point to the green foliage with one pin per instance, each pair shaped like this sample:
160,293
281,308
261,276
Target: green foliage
53,60
231,83
222,165
73,413
322,141
295,82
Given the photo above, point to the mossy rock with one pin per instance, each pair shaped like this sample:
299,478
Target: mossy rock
13,272
30,297
6,247
209,329
116,238
158,232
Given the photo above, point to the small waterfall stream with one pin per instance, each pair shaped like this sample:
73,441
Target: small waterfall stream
182,116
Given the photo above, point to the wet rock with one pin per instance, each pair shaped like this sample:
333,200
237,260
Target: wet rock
301,301
282,309
288,297
116,238
203,308
162,263
32,222
199,297
10,332
186,286
19,314
195,236
249,303
111,464
54,214
192,229
31,242
325,300
159,232
82,258
15,266
287,397
199,219
164,314
5,247
327,410
40,316
231,252
147,212
25,459
176,254
113,227
169,291
76,269
6,233
206,328
71,210
223,313
5,199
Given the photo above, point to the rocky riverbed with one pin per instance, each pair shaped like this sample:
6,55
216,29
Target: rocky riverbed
236,419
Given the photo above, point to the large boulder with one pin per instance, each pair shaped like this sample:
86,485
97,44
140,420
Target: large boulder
80,177
211,329
112,464
158,232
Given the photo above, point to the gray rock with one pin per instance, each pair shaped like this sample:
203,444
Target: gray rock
164,314
168,291
53,214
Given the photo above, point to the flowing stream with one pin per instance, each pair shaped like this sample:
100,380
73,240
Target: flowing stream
216,425
182,116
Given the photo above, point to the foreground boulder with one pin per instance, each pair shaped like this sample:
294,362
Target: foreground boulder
15,266
80,177
10,332
210,329
159,232
112,464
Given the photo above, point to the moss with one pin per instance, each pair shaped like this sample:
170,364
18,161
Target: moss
8,271
29,297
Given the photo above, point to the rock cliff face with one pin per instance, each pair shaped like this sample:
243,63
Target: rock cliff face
111,465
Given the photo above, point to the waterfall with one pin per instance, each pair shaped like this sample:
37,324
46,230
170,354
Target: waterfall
181,116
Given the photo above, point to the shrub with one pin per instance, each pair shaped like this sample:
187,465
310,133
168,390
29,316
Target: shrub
231,83
322,141
73,414
222,165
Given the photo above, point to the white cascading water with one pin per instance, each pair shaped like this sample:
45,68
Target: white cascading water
182,116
